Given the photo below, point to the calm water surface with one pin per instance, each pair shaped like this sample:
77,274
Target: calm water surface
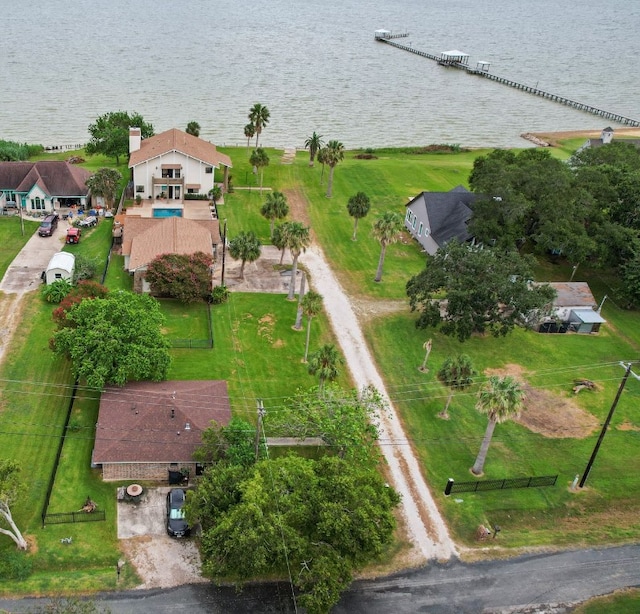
316,66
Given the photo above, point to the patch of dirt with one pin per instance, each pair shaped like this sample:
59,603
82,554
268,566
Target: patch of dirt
367,309
625,425
298,206
549,414
553,137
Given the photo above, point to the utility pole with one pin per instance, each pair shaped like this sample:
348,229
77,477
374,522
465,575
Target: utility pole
261,413
605,426
21,218
224,251
298,324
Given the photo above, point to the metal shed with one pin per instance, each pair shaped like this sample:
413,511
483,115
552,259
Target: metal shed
61,266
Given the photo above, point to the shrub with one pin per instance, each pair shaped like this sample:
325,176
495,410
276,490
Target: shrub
219,295
85,268
56,291
15,566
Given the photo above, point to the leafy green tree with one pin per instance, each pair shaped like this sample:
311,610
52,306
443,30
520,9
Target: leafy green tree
630,273
185,277
259,117
233,443
215,193
325,363
500,399
193,128
249,132
56,291
615,154
324,517
358,207
486,290
386,230
246,247
9,492
85,268
334,153
314,143
82,290
105,183
457,374
11,151
297,237
311,307
259,160
115,339
275,208
110,133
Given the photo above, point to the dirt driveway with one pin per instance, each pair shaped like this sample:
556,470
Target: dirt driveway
161,562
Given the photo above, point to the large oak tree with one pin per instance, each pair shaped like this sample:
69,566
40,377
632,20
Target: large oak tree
110,133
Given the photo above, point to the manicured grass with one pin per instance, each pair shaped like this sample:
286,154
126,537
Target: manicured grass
622,602
185,321
117,278
94,244
12,240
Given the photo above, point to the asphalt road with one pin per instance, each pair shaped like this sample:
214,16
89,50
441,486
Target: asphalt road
542,583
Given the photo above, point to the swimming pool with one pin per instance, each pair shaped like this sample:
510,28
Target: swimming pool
167,212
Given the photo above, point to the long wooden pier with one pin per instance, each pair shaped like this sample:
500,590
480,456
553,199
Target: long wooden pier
482,72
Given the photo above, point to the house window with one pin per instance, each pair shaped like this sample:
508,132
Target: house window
191,191
37,203
167,173
139,188
413,224
420,230
208,170
408,215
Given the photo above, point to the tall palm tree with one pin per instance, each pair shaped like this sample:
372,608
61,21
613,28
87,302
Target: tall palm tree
105,183
335,154
325,362
358,207
279,239
193,128
259,117
249,132
298,238
313,143
275,208
259,159
311,307
501,399
322,159
386,229
456,373
246,247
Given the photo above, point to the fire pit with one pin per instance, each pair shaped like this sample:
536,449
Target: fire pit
134,492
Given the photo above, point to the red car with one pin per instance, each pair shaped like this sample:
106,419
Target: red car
73,235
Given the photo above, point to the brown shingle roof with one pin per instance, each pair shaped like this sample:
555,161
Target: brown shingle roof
55,177
135,423
176,140
573,294
146,238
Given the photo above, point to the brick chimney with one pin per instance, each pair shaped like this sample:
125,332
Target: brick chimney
135,137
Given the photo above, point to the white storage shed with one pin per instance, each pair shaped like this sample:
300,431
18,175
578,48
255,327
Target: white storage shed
61,266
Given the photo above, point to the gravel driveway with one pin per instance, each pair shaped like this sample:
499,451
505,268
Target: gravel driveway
161,562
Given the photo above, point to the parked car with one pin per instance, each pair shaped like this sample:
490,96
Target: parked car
48,225
177,526
73,235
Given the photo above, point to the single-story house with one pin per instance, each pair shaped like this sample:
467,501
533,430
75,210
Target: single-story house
147,429
44,186
606,137
574,309
434,218
144,239
61,266
173,164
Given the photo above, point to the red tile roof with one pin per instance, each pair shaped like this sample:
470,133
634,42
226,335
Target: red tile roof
146,422
176,140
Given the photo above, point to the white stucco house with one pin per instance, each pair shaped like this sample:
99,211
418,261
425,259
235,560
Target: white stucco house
61,266
174,165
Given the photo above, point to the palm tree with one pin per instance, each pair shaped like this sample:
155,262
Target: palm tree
501,399
246,247
279,239
193,128
325,362
322,158
314,143
249,132
358,207
456,373
105,183
297,237
259,117
311,307
335,153
259,159
275,208
386,229
216,194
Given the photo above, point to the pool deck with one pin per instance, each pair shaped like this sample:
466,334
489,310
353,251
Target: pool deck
191,209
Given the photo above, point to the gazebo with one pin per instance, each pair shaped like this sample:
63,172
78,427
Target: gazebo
450,58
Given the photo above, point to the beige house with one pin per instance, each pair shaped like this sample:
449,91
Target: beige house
173,165
147,429
144,239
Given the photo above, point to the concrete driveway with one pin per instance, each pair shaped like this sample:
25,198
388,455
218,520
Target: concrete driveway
161,561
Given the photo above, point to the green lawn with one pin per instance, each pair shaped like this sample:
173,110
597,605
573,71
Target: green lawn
12,240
